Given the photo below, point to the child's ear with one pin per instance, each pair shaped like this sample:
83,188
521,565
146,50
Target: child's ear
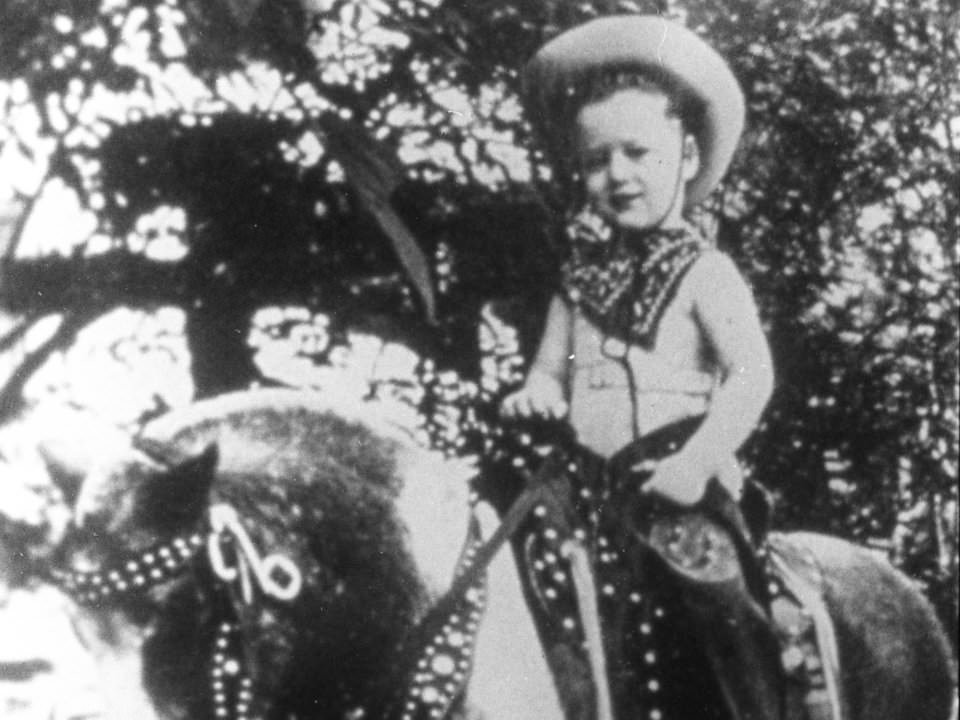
690,159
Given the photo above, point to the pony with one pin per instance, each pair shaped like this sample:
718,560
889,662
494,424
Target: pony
305,550
281,554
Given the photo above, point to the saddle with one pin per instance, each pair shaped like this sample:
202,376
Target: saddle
801,619
700,551
685,585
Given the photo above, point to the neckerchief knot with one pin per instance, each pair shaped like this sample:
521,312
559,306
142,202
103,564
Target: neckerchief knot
623,281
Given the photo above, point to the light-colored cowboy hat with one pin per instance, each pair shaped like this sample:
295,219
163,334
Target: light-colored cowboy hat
641,41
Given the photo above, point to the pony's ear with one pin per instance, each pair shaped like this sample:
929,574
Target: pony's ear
178,495
169,456
200,467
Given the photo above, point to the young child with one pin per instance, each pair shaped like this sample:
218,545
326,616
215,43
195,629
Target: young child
652,324
652,327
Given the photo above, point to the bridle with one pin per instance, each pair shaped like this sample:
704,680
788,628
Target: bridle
139,573
443,662
238,569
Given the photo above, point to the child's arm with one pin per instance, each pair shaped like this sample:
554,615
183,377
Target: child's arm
726,314
544,391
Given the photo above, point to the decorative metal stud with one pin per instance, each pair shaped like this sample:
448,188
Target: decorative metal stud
232,688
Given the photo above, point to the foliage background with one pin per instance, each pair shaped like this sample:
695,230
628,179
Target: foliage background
329,173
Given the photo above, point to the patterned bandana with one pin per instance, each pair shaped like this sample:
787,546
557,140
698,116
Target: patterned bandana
624,281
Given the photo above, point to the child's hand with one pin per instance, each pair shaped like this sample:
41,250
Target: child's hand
541,395
680,478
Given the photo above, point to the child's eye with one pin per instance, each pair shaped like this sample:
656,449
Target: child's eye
593,161
634,152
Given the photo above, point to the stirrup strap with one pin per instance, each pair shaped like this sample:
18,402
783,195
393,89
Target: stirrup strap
813,603
585,587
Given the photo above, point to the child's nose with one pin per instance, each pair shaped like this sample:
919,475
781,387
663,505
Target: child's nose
619,166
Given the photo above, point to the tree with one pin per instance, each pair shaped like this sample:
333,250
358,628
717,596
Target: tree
854,256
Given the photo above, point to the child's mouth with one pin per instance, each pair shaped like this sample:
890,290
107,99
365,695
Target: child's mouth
624,202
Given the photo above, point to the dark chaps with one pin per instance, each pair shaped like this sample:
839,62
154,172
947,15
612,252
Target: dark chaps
682,597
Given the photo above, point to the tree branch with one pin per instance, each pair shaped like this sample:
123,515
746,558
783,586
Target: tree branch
11,393
53,284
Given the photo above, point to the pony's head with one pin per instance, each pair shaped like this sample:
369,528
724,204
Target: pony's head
151,496
373,525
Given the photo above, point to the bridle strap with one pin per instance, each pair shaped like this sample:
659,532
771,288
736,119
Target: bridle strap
537,492
275,575
444,639
585,588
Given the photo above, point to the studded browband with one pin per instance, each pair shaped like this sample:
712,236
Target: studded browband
276,575
141,572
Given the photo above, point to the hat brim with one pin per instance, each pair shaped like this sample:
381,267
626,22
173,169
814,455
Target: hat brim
643,41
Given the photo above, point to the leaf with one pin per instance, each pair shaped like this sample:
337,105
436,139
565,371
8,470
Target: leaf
380,171
374,173
11,223
242,11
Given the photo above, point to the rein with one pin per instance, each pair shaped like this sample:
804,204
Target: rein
239,570
442,667
444,663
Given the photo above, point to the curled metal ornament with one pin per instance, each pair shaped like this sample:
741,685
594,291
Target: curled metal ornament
695,547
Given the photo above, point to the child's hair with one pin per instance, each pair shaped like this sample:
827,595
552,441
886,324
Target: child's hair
600,85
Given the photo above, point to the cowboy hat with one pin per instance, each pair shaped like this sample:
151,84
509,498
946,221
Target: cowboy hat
641,42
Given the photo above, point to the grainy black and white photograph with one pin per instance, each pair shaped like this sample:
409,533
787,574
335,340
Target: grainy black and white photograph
479,359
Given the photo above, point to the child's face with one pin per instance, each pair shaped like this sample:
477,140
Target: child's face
635,159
